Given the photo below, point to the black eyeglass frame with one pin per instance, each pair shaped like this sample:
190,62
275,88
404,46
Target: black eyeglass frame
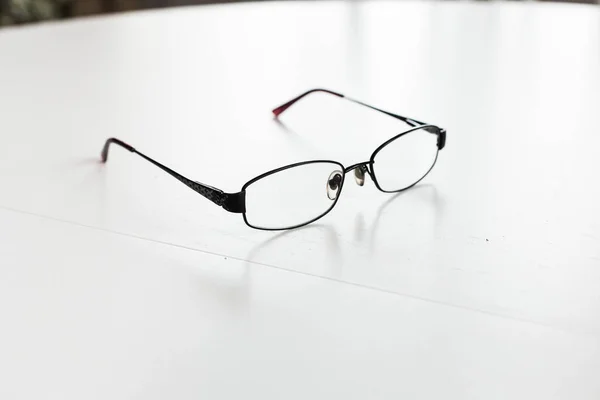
236,202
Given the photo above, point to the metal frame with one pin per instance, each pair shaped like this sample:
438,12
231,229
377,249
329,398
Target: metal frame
236,202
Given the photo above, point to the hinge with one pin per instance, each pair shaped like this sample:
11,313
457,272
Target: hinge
235,202
441,141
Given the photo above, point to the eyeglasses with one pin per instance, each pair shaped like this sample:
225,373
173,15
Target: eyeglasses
298,194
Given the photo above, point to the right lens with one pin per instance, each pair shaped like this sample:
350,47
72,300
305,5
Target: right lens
293,196
405,160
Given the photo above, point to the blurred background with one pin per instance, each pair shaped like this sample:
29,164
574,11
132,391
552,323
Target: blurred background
15,12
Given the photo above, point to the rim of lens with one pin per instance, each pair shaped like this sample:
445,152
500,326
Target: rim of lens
382,146
276,170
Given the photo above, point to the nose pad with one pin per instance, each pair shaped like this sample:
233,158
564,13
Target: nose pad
334,184
359,174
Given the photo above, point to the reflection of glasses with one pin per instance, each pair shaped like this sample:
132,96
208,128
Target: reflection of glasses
301,193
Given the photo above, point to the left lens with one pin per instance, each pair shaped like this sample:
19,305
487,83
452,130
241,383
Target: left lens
406,159
293,196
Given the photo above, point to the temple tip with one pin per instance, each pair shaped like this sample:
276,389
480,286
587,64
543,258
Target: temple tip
279,110
104,153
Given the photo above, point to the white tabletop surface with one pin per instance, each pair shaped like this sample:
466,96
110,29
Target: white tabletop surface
483,282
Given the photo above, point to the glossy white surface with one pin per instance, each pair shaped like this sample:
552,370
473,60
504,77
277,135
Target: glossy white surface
97,315
482,282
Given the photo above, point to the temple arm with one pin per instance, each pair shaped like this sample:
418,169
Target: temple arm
233,202
277,111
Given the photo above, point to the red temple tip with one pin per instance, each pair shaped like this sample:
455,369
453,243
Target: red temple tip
280,109
277,111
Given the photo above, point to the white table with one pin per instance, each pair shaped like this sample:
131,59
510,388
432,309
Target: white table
483,282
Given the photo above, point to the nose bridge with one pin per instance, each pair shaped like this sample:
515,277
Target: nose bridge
360,170
357,165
